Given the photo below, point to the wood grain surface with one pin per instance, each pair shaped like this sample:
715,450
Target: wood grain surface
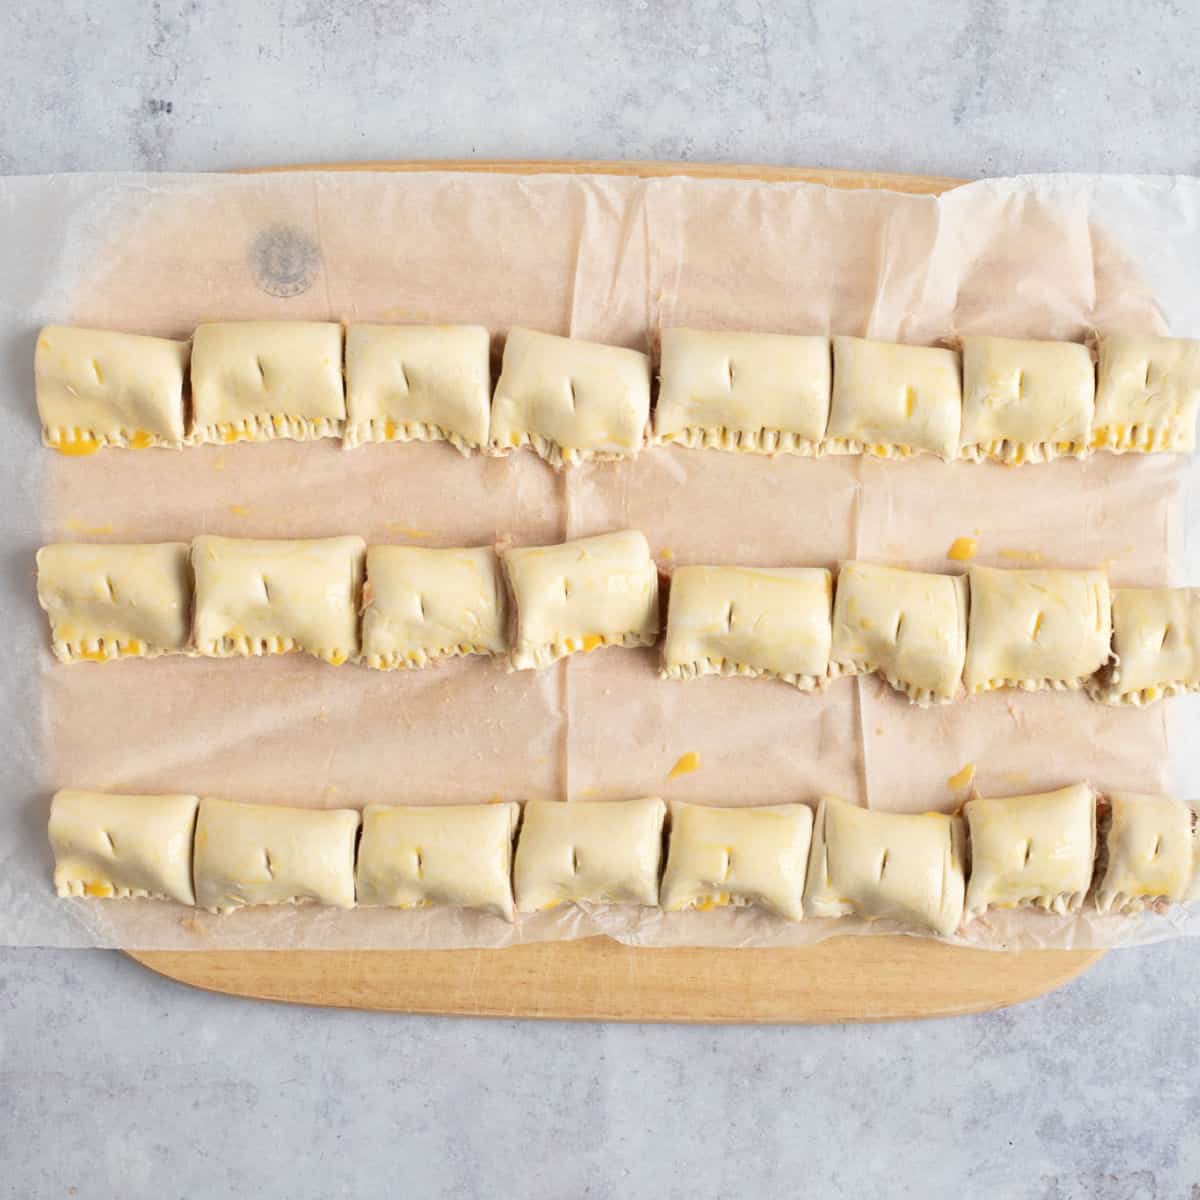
843,979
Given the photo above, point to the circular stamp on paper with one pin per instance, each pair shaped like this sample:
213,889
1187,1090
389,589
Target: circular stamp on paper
284,260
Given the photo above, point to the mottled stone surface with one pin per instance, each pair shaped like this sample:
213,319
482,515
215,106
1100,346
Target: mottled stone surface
947,89
114,1082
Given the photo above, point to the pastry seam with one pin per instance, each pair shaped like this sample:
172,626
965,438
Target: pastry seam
263,427
383,429
695,668
1013,453
764,440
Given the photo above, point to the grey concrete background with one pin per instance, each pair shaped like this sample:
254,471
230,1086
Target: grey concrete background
116,1083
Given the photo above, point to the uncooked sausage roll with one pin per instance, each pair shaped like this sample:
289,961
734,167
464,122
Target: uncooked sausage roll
1156,646
1036,629
893,401
1148,393
422,604
719,856
250,854
107,602
458,855
122,846
909,626
97,388
418,383
596,851
273,597
771,621
569,400
1026,401
1035,850
881,865
258,380
579,596
759,393
1148,852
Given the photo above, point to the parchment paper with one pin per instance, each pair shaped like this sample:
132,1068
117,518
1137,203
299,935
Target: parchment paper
615,260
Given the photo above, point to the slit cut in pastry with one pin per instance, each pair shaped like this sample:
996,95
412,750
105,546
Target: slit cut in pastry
107,602
254,381
905,867
1149,853
1026,401
454,855
771,621
570,401
248,854
1156,646
602,852
418,383
760,393
1031,851
597,591
423,604
274,597
97,388
893,401
122,846
1036,629
910,627
1147,395
742,856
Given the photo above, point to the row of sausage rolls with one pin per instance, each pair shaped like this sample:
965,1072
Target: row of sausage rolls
571,401
929,871
927,634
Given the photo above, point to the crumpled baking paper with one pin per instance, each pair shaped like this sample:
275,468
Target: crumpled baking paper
616,260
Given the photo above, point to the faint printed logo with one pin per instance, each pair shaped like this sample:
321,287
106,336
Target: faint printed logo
284,260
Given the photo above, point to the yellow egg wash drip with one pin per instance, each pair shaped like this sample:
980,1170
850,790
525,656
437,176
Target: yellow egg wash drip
685,764
962,549
961,779
141,440
239,510
78,448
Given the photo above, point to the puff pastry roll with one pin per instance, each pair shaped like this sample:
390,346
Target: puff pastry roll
1026,401
258,380
1148,853
107,602
761,393
909,626
771,621
597,591
1035,850
457,855
422,383
248,854
1156,646
122,846
570,401
96,388
422,604
1036,629
905,867
1147,394
893,401
605,852
273,597
719,856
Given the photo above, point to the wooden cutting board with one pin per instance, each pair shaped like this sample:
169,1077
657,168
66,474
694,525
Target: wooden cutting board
843,979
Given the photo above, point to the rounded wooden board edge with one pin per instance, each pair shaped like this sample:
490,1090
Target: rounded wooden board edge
831,177
858,978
